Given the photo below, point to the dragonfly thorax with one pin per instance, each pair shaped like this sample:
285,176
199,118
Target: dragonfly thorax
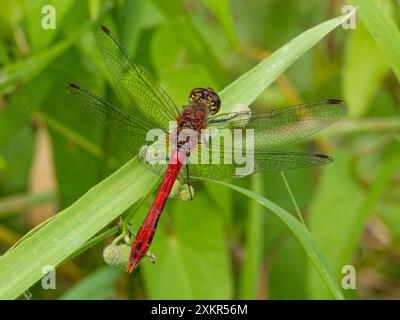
193,116
189,125
202,103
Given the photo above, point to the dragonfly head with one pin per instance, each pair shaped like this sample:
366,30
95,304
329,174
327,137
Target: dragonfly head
207,97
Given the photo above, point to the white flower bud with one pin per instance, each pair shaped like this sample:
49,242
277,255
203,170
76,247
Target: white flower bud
117,255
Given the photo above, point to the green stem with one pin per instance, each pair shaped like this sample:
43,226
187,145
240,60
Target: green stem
299,231
79,140
355,126
17,203
292,197
254,240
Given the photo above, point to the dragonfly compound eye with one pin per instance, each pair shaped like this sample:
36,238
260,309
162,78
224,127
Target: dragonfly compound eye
214,102
207,97
197,95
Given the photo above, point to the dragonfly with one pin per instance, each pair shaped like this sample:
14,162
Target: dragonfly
146,106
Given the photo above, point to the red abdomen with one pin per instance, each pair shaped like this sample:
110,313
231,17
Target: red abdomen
146,232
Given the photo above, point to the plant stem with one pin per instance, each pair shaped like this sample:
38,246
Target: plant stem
19,202
293,199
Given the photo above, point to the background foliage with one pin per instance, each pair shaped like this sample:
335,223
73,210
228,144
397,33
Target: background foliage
222,244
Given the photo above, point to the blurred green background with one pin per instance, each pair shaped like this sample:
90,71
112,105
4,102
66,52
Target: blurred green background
222,245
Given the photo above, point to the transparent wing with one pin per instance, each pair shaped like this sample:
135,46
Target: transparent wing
141,95
266,161
131,131
227,165
276,128
216,159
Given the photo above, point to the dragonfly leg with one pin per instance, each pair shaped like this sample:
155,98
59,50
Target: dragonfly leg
188,181
222,120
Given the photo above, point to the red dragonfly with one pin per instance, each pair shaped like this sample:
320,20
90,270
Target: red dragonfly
147,106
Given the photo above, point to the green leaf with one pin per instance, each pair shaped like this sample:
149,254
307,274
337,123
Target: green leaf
360,83
222,10
389,212
332,218
338,214
302,235
3,163
182,72
251,268
189,40
25,70
19,202
382,28
247,87
286,279
97,286
18,159
11,13
136,15
187,245
40,38
71,228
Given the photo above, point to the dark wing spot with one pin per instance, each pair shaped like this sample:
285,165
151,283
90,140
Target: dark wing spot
74,85
334,101
323,157
104,29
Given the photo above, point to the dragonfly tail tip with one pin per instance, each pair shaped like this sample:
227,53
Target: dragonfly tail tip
131,267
